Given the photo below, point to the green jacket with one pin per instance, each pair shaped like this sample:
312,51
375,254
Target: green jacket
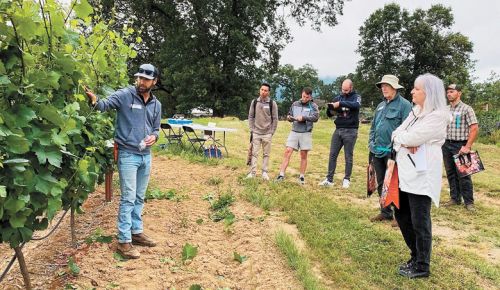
388,116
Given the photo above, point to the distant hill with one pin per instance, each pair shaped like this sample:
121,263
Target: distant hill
328,79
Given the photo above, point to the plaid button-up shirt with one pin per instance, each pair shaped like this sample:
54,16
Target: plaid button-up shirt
463,117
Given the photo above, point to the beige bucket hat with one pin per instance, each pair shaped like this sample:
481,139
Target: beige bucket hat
391,80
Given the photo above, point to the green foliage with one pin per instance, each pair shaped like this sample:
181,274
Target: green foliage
159,194
408,45
224,200
73,267
52,145
484,94
209,50
290,82
223,214
195,287
98,237
296,260
220,207
239,258
118,257
214,180
489,126
189,252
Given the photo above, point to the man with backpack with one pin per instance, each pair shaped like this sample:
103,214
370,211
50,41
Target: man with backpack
263,121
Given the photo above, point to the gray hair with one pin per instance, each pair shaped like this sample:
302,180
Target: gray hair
435,95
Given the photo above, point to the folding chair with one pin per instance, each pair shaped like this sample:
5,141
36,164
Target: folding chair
170,134
193,138
210,134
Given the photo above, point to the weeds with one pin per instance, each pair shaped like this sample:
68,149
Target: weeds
98,237
159,194
296,260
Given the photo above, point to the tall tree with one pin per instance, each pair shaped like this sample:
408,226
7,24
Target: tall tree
287,84
395,41
209,50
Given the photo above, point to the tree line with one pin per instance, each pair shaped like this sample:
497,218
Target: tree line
214,53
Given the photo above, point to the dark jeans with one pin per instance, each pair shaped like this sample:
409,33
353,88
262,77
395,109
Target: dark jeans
459,187
414,219
342,137
380,165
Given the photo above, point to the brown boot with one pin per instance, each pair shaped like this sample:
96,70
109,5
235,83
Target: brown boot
143,240
394,223
128,251
470,207
378,218
451,202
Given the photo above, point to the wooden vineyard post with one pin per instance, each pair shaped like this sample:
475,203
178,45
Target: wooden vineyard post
108,191
22,266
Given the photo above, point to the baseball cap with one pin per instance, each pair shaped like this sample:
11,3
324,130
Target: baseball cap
454,87
147,71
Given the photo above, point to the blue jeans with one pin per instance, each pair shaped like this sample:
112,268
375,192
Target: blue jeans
134,170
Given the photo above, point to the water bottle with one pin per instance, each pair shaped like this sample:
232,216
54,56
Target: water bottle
142,145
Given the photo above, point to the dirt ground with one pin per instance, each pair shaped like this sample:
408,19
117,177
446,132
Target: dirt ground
172,224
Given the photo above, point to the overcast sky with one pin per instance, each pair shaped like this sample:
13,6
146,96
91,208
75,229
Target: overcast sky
332,51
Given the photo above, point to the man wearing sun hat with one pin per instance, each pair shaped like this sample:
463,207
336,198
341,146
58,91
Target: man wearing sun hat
461,134
389,114
137,129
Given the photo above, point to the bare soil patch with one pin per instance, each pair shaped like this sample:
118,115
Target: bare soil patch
171,224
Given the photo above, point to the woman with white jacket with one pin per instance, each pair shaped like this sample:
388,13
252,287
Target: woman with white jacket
419,158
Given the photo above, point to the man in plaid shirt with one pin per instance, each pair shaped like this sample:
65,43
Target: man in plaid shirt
462,133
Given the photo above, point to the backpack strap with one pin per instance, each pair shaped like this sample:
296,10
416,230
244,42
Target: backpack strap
254,104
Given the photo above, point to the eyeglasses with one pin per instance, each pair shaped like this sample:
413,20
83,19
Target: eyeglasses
147,72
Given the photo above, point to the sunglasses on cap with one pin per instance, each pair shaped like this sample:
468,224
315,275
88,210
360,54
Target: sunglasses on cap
147,72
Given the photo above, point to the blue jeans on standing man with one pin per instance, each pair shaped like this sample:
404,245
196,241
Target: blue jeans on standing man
134,171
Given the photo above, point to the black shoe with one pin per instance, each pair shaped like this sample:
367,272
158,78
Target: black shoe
406,266
413,273
280,178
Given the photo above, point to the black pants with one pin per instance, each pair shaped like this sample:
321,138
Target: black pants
380,165
460,187
342,137
414,219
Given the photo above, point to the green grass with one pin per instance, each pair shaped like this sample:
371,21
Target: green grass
349,250
296,260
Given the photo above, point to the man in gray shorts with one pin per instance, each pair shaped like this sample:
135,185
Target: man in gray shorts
303,114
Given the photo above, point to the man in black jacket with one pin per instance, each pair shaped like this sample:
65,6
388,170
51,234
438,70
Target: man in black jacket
346,106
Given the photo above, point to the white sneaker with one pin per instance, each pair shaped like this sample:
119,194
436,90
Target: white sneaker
265,176
326,183
250,175
346,183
